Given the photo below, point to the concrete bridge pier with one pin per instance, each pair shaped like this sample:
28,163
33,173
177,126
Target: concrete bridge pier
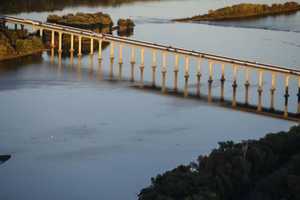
72,43
198,76
142,67
234,85
272,91
52,39
211,64
120,61
210,80
112,58
176,70
154,66
222,81
260,90
59,42
79,46
186,76
41,31
286,96
164,72
100,50
132,62
92,46
247,85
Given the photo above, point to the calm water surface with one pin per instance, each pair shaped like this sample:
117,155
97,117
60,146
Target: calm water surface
73,134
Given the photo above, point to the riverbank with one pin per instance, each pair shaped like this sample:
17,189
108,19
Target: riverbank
244,11
18,43
265,169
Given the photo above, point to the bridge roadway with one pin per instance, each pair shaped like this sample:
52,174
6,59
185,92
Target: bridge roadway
143,44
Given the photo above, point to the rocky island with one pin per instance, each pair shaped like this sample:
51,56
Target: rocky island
18,43
244,11
265,169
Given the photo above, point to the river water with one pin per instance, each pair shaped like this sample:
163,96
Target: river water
74,134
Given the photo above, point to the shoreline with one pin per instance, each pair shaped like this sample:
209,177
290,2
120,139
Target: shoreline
14,57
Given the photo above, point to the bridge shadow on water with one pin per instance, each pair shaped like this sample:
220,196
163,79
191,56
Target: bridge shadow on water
114,75
224,103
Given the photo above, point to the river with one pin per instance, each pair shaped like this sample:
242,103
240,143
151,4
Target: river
74,134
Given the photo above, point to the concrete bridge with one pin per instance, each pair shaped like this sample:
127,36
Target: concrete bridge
166,52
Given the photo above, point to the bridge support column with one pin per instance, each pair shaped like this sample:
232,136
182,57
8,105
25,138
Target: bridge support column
52,39
210,80
112,50
100,49
59,42
154,63
210,63
176,70
41,32
79,46
164,72
72,44
92,46
234,85
286,96
120,61
247,85
132,62
273,89
186,76
142,66
198,76
222,81
260,90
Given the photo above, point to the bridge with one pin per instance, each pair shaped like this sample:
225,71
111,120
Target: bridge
213,62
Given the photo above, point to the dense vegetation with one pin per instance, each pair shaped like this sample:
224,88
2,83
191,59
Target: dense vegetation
245,10
267,169
18,43
83,20
16,6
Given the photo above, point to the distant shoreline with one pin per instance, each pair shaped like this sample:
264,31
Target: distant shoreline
243,12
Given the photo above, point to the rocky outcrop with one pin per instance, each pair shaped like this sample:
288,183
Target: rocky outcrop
125,27
267,169
18,43
244,11
4,158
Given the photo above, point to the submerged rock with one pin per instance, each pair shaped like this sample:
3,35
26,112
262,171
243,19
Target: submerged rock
4,158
